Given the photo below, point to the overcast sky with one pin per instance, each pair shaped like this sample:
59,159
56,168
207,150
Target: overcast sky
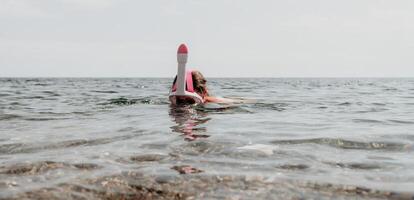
231,38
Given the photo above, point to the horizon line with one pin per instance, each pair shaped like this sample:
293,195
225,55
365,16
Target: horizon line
2,77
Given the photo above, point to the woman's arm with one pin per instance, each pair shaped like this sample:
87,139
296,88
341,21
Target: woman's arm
210,99
235,100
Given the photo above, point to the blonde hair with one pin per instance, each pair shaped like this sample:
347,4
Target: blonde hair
199,84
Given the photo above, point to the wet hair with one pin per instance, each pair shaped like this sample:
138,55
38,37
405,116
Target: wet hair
199,83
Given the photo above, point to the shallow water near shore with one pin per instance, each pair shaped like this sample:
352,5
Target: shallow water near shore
74,138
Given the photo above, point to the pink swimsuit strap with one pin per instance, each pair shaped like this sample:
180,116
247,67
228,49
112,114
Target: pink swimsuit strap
174,87
189,77
189,82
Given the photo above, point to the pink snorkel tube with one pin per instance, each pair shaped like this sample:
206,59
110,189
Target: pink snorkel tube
183,88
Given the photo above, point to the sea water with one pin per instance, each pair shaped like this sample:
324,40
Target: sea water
320,138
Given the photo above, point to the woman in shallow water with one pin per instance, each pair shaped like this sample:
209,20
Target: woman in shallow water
203,95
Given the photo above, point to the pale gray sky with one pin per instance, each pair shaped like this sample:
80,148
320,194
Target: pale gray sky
233,38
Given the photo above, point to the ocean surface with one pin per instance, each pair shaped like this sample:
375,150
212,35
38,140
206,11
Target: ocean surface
87,138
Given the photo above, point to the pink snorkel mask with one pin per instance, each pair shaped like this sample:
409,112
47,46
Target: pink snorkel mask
182,91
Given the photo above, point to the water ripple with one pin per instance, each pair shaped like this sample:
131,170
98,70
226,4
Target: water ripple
297,138
126,101
347,144
42,167
16,148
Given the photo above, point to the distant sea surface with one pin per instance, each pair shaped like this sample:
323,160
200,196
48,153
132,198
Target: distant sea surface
75,138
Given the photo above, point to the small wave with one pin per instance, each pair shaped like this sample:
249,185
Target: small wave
15,103
9,116
390,89
33,97
400,121
44,166
347,144
44,118
271,106
42,84
51,93
293,167
238,88
125,101
379,104
345,104
85,113
372,110
368,121
56,115
358,166
148,158
50,113
121,101
16,148
105,91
